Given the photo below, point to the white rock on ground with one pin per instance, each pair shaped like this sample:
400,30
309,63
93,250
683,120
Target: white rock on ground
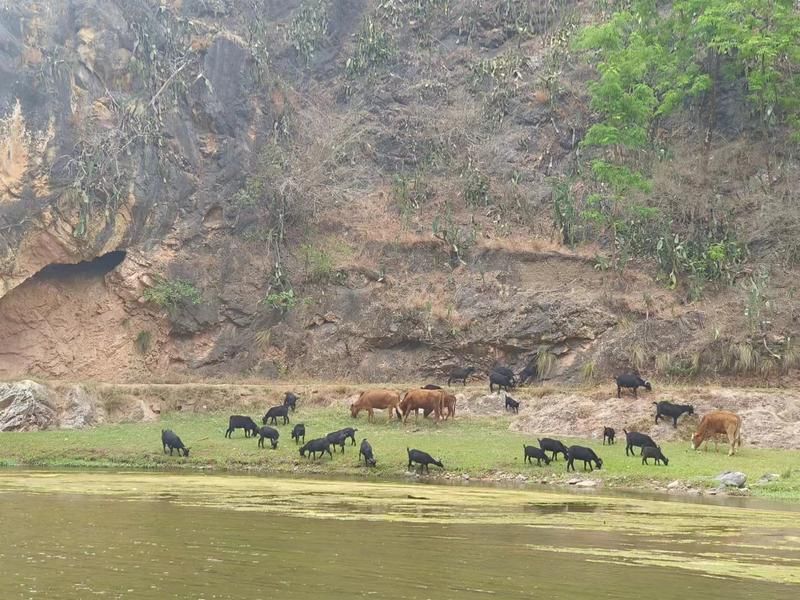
732,479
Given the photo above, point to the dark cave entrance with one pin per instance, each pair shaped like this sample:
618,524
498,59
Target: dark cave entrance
97,267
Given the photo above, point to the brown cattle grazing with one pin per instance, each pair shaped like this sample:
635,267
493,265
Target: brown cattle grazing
448,407
372,399
449,404
719,421
430,401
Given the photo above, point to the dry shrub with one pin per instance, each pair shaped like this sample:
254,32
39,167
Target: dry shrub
545,363
637,356
663,363
589,371
744,358
264,339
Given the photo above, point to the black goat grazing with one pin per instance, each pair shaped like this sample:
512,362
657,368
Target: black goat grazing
634,438
431,386
629,380
291,401
587,455
668,409
275,412
501,381
423,459
608,434
268,433
512,404
531,452
348,432
366,451
554,446
321,445
170,440
460,374
336,438
529,372
241,422
651,452
299,431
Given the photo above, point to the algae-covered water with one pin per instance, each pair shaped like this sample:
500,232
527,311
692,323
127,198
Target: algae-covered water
163,535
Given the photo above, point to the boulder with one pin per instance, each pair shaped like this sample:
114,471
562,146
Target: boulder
80,409
732,479
25,406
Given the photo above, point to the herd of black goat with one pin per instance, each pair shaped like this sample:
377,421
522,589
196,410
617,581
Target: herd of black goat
170,440
502,377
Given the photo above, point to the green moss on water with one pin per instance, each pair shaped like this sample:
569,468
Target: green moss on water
729,541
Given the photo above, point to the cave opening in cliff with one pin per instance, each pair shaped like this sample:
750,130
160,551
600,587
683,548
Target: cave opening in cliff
97,267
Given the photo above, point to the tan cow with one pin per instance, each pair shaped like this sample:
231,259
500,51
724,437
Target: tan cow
449,404
430,401
372,399
719,421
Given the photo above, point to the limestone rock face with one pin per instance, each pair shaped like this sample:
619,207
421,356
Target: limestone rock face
80,409
25,406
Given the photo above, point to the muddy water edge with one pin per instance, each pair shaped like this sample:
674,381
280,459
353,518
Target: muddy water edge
73,534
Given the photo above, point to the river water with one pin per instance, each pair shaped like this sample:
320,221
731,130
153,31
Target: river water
73,534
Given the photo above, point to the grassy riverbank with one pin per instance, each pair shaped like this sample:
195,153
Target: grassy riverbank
481,447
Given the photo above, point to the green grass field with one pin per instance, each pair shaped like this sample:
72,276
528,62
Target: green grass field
480,446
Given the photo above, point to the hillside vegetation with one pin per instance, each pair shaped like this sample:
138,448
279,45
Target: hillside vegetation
376,189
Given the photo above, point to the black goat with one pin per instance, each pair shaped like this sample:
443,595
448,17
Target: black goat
321,445
554,446
512,404
170,440
634,438
423,459
500,380
366,451
460,373
529,372
275,412
348,432
299,431
587,455
608,434
506,372
336,438
268,433
629,380
291,401
531,452
241,422
651,452
668,409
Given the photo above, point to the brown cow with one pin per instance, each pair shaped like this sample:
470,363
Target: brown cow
448,406
719,421
372,399
449,403
430,401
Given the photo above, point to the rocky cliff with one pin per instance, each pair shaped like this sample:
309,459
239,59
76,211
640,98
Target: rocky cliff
206,188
